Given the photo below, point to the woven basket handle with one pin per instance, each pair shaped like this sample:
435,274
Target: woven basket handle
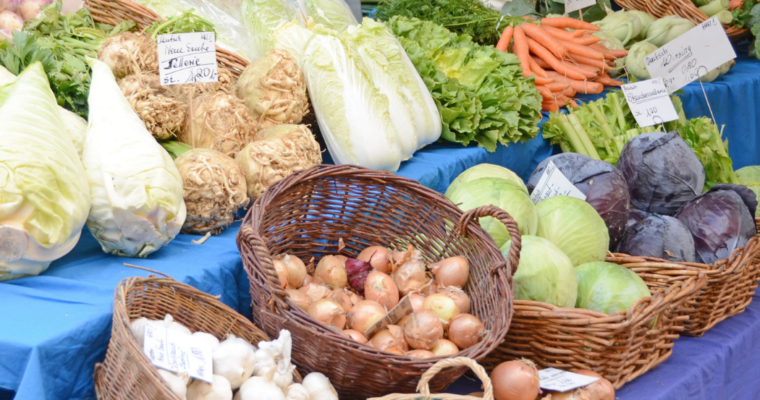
424,389
514,232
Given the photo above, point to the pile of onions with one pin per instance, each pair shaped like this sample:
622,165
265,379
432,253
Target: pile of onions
328,312
423,330
452,271
331,271
378,256
466,330
379,287
364,315
442,306
515,380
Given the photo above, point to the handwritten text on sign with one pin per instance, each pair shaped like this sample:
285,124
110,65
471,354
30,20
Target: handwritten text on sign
178,352
187,58
691,55
554,183
575,5
649,102
562,381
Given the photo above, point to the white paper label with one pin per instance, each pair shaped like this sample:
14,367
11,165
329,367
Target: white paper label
691,55
562,381
554,183
650,102
178,352
187,58
575,5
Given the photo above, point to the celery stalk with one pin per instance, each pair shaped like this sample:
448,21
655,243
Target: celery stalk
572,136
590,149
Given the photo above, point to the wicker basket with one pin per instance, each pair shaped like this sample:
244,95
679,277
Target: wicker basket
682,8
730,285
424,389
308,213
113,12
126,373
619,346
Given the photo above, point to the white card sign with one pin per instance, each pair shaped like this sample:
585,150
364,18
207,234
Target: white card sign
187,58
562,381
575,5
650,102
691,55
554,183
177,352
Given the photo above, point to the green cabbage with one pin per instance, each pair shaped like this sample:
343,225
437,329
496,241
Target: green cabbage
485,171
137,203
503,194
575,227
545,273
667,28
608,288
333,14
262,18
44,196
750,177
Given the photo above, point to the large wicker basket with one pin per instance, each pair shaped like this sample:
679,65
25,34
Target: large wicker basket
682,8
619,346
113,12
126,373
731,283
308,213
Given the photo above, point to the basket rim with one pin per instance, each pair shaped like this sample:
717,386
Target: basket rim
252,224
687,10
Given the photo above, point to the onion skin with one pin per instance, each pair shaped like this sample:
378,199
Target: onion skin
515,380
299,298
417,301
355,298
420,354
380,288
461,298
316,291
442,306
577,394
599,390
410,277
355,336
423,330
391,337
341,297
453,271
282,272
379,257
445,347
296,271
466,330
329,313
364,315
307,280
402,322
398,333
331,271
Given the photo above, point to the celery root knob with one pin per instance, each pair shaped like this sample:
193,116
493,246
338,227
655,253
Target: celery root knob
13,244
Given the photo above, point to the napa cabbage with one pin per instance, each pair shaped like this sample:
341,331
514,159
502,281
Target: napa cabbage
136,189
333,14
44,195
262,18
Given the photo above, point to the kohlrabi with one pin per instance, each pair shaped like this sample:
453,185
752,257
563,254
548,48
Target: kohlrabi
667,28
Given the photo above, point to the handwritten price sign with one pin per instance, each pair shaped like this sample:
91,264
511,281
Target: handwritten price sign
187,58
691,55
562,381
178,352
649,102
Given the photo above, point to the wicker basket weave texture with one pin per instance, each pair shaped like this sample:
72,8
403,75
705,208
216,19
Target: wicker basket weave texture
619,346
308,213
113,12
126,373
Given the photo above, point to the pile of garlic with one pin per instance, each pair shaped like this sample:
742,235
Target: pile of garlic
261,374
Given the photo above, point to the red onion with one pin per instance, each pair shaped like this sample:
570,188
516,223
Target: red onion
357,271
378,256
515,380
454,271
466,330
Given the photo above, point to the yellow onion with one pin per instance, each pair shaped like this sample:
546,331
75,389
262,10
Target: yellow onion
296,271
355,298
341,297
364,315
417,301
398,333
420,354
402,322
388,338
315,290
331,271
307,280
380,288
394,350
442,306
577,394
466,330
515,380
355,336
461,298
329,313
301,299
410,277
453,271
282,272
599,390
445,348
377,256
423,330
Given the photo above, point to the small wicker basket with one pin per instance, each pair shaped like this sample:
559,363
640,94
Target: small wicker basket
308,213
113,12
619,346
424,389
126,373
682,8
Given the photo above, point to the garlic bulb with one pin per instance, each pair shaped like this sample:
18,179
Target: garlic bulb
175,326
273,359
234,359
176,383
319,387
259,388
296,391
138,330
207,338
219,390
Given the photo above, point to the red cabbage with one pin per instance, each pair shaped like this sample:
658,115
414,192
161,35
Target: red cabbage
659,236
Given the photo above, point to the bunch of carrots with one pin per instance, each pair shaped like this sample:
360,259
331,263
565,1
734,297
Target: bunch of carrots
563,62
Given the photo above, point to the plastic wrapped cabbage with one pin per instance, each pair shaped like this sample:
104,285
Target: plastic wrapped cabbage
485,171
575,227
608,288
334,14
137,204
44,195
262,18
660,236
545,273
750,177
503,194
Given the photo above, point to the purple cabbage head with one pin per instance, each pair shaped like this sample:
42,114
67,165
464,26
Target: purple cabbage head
603,185
720,221
659,236
662,172
635,216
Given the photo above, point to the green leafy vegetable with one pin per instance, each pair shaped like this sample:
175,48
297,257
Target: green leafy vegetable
575,227
589,14
183,23
334,14
608,288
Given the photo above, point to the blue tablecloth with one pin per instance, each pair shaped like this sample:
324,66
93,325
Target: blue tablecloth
55,327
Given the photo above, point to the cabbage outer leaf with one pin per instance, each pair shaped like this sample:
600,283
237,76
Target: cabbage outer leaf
333,14
575,227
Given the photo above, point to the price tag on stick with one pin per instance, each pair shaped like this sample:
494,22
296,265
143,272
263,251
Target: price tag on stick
649,102
554,183
187,58
575,5
178,352
691,55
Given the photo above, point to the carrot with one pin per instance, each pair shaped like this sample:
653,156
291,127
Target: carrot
522,51
586,68
618,53
540,80
525,17
541,63
537,68
567,22
555,63
549,106
557,87
734,3
584,51
569,92
543,37
605,80
572,103
584,87
598,64
569,37
506,37
546,93
587,40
